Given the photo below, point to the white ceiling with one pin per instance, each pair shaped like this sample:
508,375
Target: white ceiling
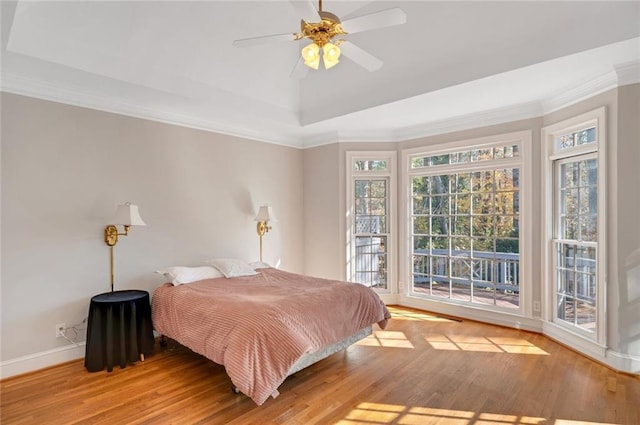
453,64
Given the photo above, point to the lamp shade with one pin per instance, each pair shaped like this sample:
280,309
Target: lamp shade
128,215
265,213
331,55
311,55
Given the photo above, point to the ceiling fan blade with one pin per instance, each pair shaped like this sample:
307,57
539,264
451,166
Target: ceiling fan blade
265,39
306,10
372,21
361,57
300,70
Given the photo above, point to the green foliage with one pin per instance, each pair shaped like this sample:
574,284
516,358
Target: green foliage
461,211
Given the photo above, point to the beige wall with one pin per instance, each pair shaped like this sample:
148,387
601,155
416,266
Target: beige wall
321,211
627,303
65,169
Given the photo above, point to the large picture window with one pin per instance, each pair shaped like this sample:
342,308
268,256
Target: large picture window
465,217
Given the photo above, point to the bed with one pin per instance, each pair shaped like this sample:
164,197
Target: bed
264,327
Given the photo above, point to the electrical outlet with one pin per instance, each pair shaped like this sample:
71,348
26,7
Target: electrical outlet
61,328
536,306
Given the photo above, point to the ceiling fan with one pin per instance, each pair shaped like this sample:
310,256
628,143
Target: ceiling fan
326,32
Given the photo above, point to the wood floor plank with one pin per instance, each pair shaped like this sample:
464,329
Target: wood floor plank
422,369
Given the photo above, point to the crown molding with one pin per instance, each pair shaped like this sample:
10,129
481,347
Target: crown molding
376,136
321,139
481,119
624,74
580,92
71,94
628,73
432,128
74,95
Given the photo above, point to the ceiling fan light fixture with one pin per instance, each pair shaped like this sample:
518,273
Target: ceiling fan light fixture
324,30
311,55
331,55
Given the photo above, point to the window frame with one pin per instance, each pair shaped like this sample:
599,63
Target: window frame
390,176
552,157
523,161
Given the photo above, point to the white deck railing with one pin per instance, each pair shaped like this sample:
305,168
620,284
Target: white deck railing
480,269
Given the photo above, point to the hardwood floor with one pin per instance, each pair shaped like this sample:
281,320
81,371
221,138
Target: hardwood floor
421,370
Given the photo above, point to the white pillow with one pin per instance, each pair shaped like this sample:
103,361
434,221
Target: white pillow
180,274
259,265
232,267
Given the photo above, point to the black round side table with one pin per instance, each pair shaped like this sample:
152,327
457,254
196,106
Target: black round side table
119,330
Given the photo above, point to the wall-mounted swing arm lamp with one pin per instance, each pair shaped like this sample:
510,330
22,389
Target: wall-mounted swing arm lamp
265,215
127,215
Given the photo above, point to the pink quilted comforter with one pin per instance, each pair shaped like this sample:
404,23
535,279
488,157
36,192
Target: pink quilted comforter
258,326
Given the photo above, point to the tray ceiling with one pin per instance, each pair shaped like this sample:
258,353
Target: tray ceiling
174,62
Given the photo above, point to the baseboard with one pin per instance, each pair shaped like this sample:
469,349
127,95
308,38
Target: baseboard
575,342
623,362
496,318
41,360
615,360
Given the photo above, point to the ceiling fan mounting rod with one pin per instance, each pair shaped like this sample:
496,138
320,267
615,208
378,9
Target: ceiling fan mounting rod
321,32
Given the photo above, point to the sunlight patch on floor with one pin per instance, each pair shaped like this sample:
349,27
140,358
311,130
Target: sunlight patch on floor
415,316
393,339
380,414
483,344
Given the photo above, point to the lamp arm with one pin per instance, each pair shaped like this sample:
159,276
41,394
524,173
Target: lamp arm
111,238
111,234
262,228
